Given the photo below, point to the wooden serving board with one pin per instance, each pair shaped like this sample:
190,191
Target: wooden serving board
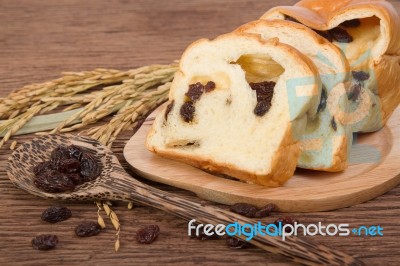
374,169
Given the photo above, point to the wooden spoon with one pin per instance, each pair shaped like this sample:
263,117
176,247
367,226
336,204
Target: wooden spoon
115,184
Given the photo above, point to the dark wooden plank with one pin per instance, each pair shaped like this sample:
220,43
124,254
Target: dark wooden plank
39,39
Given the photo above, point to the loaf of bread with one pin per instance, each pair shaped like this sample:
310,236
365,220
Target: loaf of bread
368,32
237,106
326,142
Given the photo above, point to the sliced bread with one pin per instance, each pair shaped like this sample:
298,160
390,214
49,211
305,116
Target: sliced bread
237,106
368,33
326,142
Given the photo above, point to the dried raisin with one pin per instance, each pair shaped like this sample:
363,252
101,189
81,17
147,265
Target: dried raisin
325,34
202,235
89,167
56,214
42,167
265,211
195,91
168,110
266,86
87,229
354,93
210,86
262,108
341,35
333,124
360,75
70,166
236,243
286,220
58,155
353,23
289,18
264,91
53,182
76,178
187,111
75,152
45,242
244,209
322,103
147,234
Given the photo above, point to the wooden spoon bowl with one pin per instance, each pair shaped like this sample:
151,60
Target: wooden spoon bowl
26,156
115,184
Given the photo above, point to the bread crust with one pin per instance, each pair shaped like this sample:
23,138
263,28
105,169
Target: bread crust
387,72
321,15
344,68
340,161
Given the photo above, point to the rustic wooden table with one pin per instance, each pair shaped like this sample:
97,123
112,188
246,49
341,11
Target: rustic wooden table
40,39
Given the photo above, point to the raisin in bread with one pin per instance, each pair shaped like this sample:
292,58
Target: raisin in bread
368,33
326,142
237,106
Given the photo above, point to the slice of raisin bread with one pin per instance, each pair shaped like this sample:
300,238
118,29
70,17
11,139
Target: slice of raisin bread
326,142
368,33
237,106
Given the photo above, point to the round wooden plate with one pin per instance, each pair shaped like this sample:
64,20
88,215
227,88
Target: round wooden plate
374,169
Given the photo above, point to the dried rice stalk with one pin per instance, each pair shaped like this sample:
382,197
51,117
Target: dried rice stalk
29,95
13,145
115,221
114,98
136,93
13,125
129,115
116,245
100,219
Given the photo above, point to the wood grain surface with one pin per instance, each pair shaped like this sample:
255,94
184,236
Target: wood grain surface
39,39
306,191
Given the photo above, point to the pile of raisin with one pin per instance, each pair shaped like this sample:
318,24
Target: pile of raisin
56,214
251,211
147,234
69,166
45,242
265,92
194,93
